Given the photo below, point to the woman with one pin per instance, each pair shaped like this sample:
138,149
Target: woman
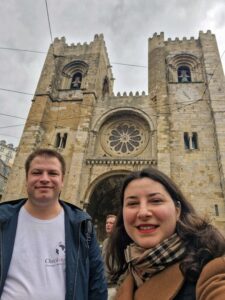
160,248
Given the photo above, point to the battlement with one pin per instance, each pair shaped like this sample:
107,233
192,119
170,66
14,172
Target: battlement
181,40
207,33
96,46
130,94
158,39
61,48
62,41
157,36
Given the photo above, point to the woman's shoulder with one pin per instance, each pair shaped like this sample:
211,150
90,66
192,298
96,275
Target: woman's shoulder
211,282
215,266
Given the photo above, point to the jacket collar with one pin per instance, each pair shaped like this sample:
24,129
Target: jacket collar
9,208
75,214
165,285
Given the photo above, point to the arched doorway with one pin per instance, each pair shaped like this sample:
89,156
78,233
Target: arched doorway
103,201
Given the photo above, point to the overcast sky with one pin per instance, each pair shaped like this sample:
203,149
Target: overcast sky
126,25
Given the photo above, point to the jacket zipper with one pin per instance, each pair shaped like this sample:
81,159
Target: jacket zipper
78,254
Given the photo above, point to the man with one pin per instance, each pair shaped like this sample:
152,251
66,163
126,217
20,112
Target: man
48,247
110,221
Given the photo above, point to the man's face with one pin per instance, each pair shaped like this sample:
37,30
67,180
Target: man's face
44,180
109,224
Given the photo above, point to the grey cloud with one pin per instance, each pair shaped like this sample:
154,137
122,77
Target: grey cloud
126,25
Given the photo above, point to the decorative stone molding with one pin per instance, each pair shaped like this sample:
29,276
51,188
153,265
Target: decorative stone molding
185,60
111,161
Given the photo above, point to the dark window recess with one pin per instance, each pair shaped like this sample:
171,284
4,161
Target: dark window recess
60,141
57,140
190,140
76,81
186,140
194,140
216,210
184,74
105,88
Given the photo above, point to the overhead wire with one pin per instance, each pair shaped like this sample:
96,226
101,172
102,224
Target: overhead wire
22,50
14,91
49,24
57,120
45,52
12,116
132,65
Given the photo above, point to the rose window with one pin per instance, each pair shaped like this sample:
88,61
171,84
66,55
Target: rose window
124,138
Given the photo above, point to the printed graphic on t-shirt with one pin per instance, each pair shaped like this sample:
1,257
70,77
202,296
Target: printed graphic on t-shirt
59,256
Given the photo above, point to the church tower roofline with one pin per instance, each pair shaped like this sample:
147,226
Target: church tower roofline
61,48
158,40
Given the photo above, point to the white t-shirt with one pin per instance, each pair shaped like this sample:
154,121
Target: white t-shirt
37,268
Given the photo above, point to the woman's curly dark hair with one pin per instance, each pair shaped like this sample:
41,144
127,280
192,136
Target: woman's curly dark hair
202,240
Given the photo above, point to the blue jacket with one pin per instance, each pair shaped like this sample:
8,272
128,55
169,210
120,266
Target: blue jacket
84,267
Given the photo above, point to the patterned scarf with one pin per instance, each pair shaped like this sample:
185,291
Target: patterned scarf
143,264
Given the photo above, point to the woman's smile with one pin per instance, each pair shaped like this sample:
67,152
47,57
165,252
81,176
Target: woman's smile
149,212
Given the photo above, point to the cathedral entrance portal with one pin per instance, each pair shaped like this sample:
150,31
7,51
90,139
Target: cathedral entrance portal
105,200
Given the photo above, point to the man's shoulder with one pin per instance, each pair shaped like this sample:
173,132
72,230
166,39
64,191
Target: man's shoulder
8,208
74,211
12,204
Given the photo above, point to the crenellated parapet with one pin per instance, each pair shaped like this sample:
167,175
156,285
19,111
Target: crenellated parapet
158,40
62,48
157,36
185,42
130,94
208,33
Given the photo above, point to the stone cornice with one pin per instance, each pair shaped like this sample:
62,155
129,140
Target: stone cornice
120,161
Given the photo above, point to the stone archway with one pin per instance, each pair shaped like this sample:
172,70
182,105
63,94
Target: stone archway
105,200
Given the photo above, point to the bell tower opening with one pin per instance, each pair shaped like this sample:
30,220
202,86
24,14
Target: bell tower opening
105,200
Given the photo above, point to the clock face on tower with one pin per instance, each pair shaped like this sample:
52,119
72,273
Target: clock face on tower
124,137
187,94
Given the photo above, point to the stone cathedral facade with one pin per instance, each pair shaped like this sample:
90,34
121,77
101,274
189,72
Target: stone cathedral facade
178,127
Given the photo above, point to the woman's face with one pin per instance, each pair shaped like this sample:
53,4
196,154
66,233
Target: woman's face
149,212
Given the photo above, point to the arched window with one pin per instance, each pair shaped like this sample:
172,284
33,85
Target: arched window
184,74
74,75
76,81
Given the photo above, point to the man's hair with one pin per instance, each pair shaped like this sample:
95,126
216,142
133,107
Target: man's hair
46,153
110,216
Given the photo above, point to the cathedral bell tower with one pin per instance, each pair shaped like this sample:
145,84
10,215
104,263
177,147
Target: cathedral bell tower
74,78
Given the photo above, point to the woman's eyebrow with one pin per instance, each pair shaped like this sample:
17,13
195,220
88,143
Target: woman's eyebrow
149,195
